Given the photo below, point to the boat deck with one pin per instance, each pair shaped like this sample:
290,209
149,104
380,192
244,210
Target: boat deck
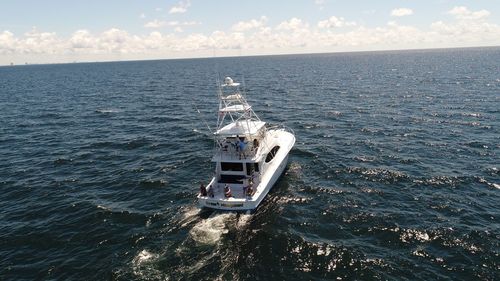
237,192
228,152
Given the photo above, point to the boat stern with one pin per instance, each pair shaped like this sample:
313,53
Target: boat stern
227,204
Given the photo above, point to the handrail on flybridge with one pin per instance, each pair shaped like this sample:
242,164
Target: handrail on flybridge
234,109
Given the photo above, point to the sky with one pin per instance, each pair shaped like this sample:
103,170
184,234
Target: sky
58,31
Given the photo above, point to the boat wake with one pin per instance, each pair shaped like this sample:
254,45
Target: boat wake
243,221
190,215
143,257
143,265
295,169
211,230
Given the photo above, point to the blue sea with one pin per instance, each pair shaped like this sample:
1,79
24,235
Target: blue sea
394,176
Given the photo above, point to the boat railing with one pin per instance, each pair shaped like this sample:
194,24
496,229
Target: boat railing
281,127
230,151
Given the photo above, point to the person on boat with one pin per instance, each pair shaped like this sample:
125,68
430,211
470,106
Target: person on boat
223,144
236,144
255,144
255,177
211,192
245,189
233,144
203,189
227,191
249,189
241,144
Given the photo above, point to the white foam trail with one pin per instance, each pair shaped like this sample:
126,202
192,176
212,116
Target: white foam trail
243,220
201,262
189,215
210,231
110,110
295,169
103,208
144,256
141,266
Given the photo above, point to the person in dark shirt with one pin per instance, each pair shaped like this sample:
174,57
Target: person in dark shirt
249,189
255,144
203,189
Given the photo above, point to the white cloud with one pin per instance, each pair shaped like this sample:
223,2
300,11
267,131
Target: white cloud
7,42
251,24
257,36
320,4
82,39
142,16
333,22
401,12
155,24
152,42
115,40
462,13
465,32
40,42
181,23
292,24
186,23
181,7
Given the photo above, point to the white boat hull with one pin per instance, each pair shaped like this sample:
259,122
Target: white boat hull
273,170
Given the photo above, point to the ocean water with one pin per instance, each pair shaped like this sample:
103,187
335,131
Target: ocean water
395,173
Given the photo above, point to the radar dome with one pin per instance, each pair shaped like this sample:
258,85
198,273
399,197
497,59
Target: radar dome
228,80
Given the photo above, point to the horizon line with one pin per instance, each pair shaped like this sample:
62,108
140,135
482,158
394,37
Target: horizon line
258,55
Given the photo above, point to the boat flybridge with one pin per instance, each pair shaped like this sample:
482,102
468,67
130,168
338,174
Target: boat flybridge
249,155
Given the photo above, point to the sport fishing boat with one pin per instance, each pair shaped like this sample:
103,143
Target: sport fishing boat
249,154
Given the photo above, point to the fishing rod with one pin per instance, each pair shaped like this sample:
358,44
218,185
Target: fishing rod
204,121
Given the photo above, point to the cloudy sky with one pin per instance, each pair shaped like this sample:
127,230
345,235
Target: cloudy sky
51,31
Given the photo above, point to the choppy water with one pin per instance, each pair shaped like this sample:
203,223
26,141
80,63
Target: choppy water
395,174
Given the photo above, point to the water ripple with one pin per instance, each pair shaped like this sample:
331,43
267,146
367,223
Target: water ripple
394,174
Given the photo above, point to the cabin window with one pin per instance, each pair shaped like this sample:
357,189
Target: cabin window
228,166
272,153
249,168
235,179
256,166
